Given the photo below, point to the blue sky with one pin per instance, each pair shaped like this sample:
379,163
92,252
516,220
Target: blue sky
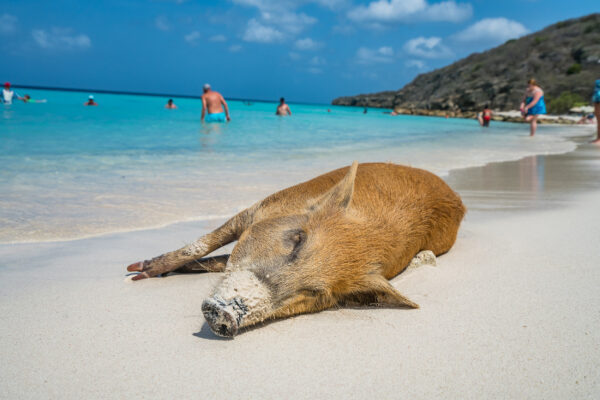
305,50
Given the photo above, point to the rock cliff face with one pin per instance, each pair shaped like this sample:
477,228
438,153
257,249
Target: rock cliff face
564,58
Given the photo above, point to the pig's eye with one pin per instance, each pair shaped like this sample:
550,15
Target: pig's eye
295,238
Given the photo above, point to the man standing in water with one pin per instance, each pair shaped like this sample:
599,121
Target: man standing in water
8,94
283,109
214,103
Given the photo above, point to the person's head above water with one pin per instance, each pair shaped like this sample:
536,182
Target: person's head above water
7,85
206,87
90,97
170,101
281,100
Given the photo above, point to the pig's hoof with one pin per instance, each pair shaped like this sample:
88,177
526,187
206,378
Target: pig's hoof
221,321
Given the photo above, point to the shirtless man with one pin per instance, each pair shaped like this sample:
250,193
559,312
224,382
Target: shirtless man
283,109
170,105
214,102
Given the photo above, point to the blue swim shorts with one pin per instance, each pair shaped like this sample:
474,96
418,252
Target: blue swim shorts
216,117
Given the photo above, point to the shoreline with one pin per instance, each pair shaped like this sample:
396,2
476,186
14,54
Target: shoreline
503,314
575,135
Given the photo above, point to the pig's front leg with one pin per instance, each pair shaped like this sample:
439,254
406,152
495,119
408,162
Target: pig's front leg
208,264
168,262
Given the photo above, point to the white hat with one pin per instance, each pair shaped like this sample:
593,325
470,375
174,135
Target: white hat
206,86
91,97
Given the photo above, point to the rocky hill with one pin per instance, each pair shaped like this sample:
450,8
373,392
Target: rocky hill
564,58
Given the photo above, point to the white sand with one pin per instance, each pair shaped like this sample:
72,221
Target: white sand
513,311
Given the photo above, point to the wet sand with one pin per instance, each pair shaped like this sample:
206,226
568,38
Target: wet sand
510,312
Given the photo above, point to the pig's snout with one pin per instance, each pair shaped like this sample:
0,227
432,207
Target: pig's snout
240,301
220,317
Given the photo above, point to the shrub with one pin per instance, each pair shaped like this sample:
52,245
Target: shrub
595,27
574,69
539,39
565,102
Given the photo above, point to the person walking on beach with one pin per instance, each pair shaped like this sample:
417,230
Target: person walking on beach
485,116
170,105
214,103
596,101
283,109
533,104
90,101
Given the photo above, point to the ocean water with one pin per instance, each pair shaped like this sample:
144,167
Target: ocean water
69,171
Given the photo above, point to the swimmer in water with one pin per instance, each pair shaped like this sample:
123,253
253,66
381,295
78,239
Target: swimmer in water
90,101
27,99
170,105
283,109
485,116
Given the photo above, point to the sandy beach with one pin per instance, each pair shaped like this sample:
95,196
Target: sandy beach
510,312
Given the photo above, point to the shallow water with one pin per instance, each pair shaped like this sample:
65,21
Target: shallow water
70,171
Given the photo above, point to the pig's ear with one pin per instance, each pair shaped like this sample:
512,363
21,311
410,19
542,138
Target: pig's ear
377,291
340,195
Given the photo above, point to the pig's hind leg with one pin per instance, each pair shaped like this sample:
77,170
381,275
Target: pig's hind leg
425,257
187,255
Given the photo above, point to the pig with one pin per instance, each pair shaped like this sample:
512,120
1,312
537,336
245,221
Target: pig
331,241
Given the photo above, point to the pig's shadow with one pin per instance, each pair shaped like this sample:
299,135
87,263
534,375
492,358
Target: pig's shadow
206,333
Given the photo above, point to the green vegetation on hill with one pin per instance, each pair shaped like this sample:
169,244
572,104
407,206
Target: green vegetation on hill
564,58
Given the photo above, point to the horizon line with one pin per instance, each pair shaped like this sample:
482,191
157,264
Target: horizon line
134,93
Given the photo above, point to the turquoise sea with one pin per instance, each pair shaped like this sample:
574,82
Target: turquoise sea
69,171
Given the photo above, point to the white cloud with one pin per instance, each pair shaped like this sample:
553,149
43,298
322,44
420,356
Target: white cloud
192,37
234,48
60,38
8,23
218,38
369,56
411,10
418,64
386,51
307,44
294,56
162,23
316,61
492,30
288,21
342,29
449,11
257,32
278,16
431,47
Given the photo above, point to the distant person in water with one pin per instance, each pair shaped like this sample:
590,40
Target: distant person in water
27,99
485,116
170,105
283,109
586,119
214,103
8,94
533,105
90,101
365,110
596,101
